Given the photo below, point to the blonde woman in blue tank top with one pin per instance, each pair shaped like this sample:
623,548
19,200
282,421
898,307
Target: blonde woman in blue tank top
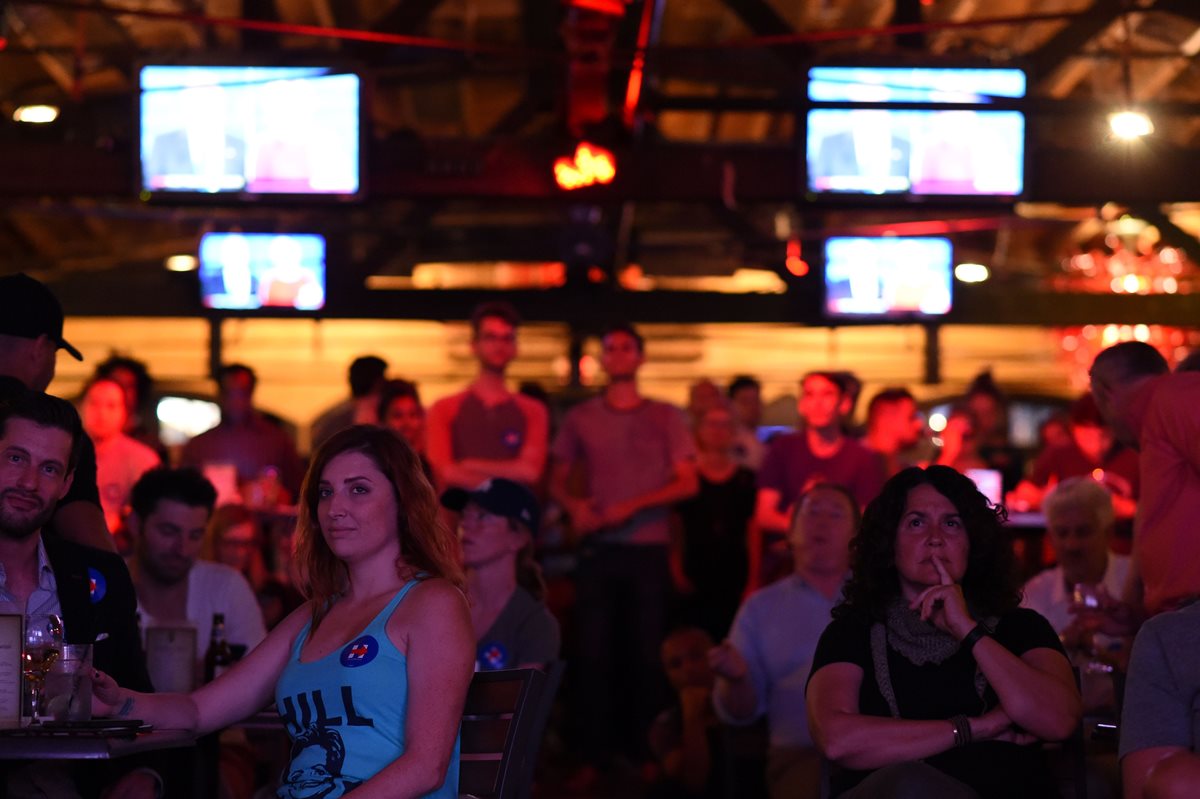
370,675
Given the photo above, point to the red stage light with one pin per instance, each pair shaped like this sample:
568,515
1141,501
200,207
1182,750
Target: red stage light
590,165
794,263
614,8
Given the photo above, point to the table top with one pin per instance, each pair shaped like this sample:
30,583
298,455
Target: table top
88,745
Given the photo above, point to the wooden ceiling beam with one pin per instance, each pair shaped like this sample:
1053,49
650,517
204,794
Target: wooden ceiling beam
405,16
1067,43
763,20
55,67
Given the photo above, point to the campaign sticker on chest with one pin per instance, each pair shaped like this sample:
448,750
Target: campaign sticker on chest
359,652
492,656
512,438
97,585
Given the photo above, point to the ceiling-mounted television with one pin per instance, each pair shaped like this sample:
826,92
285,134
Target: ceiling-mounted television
858,84
918,133
250,131
888,277
251,271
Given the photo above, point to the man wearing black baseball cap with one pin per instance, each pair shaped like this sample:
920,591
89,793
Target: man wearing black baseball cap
31,323
31,326
512,626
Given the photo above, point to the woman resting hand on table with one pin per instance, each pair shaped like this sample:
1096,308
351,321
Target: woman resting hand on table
371,674
931,681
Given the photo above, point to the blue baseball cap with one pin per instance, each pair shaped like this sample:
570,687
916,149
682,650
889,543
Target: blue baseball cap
498,496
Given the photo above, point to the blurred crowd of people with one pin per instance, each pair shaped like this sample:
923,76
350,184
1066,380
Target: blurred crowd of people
829,610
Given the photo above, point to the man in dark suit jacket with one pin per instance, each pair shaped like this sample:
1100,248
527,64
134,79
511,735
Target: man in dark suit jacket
97,599
40,441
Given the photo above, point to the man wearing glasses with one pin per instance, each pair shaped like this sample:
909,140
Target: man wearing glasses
487,430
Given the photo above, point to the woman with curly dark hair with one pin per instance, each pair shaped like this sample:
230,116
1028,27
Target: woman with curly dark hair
930,681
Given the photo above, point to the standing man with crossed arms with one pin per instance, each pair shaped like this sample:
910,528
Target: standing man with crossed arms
487,430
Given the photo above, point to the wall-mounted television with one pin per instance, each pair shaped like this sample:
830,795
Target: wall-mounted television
249,131
888,277
861,140
249,271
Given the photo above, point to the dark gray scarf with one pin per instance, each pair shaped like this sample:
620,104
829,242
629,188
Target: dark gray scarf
919,642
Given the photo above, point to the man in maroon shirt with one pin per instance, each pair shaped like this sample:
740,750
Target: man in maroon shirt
487,430
820,452
1155,411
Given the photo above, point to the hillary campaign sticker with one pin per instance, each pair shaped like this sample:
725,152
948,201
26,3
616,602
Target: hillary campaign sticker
492,656
97,585
359,652
512,439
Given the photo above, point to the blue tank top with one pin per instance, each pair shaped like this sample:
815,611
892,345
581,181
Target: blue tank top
345,713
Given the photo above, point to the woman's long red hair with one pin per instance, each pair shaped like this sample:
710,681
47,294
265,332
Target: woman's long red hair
426,544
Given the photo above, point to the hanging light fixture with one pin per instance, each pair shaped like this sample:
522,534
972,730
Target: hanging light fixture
1129,123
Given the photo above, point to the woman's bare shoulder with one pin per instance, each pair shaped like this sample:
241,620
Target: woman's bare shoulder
436,592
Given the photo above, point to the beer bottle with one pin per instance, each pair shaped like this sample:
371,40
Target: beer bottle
219,656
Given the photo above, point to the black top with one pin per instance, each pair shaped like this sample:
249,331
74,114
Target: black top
940,691
714,532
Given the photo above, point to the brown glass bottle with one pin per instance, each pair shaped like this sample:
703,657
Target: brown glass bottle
219,656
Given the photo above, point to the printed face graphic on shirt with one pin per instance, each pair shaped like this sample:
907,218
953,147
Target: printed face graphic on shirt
315,770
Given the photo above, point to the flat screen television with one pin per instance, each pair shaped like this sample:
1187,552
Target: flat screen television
249,271
860,140
888,277
914,84
249,130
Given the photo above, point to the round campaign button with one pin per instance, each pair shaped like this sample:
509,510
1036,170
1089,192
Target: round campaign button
492,656
97,585
512,438
360,652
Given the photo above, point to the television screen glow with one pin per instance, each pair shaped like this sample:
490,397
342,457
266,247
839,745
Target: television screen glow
918,151
247,271
914,85
249,130
888,276
989,482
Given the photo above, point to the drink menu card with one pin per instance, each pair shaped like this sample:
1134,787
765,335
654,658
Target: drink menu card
11,636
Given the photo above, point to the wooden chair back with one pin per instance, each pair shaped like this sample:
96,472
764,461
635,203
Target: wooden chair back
497,733
554,672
